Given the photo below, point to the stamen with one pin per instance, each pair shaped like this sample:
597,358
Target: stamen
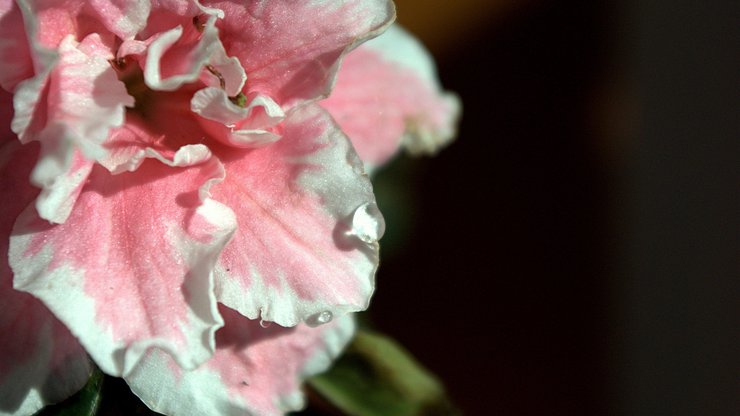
199,22
239,100
221,80
118,63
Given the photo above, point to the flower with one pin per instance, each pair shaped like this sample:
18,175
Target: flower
168,173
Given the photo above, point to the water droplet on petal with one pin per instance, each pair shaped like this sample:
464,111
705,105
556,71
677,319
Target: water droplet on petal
319,319
265,324
368,223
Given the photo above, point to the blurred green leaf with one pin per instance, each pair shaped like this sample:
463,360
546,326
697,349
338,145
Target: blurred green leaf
377,377
84,403
397,194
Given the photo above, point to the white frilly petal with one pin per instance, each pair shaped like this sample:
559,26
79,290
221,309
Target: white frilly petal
208,51
247,126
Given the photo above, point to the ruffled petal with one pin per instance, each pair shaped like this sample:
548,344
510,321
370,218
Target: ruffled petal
85,95
387,95
291,50
306,247
255,370
83,100
248,126
46,24
131,267
180,55
61,179
40,361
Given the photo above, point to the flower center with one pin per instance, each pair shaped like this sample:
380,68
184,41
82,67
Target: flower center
130,73
133,78
239,99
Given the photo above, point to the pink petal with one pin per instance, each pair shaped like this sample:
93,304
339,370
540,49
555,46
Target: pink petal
387,94
48,22
125,18
29,118
131,157
131,267
290,49
306,245
255,370
15,55
40,361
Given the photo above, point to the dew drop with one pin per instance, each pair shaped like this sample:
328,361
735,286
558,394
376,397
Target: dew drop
319,319
368,223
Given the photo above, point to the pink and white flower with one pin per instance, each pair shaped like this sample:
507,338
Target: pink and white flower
172,186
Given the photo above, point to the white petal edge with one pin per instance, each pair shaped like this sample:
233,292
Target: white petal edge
202,392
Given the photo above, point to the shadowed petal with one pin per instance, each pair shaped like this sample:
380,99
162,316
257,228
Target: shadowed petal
40,361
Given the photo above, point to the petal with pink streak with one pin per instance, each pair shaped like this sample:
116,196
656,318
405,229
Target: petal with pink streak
387,95
291,50
40,361
255,370
15,55
82,100
300,251
131,268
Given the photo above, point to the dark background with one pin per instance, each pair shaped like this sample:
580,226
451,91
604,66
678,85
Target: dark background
574,252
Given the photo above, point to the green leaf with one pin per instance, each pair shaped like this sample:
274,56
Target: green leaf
377,377
84,403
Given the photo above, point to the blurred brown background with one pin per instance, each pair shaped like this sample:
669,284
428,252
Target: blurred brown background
575,251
